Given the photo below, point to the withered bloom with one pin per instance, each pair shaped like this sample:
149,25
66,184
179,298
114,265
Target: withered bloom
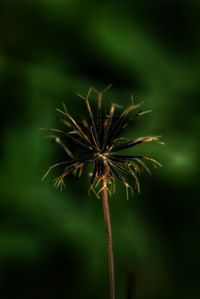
98,140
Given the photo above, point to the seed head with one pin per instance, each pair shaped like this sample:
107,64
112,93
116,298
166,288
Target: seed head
98,140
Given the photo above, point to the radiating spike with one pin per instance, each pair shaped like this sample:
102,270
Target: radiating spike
114,167
53,130
66,123
144,112
80,96
59,182
93,138
122,158
154,162
74,123
133,165
118,126
102,91
122,179
107,124
68,152
53,166
135,142
144,166
91,188
136,180
92,118
99,116
76,141
127,186
94,175
129,172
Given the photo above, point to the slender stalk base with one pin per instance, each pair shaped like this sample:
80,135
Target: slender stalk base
109,239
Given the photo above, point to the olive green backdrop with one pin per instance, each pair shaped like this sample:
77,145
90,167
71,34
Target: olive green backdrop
52,243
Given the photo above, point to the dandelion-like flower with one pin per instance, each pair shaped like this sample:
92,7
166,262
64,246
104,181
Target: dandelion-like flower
98,140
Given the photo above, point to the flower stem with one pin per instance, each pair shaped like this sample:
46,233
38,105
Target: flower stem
109,239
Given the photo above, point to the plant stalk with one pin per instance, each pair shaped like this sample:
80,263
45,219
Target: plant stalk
109,239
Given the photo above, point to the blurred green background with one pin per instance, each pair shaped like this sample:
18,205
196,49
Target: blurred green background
53,244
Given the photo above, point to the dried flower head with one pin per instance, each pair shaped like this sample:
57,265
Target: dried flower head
98,140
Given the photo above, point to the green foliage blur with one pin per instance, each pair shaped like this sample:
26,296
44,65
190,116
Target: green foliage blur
52,243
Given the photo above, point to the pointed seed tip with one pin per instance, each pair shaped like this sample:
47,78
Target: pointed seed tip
80,96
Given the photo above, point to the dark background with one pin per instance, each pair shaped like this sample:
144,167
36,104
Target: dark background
53,244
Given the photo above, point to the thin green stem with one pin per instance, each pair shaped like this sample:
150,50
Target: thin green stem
109,239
